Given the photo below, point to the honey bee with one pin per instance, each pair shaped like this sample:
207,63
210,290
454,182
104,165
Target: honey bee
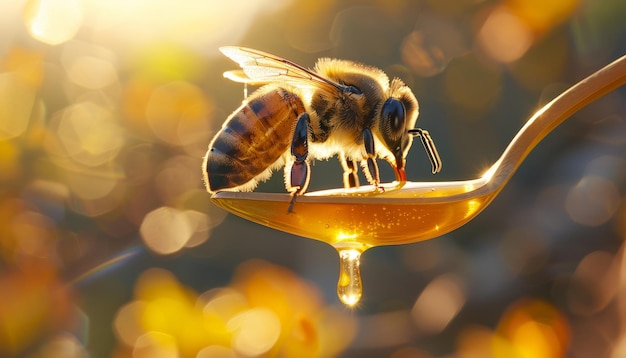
339,108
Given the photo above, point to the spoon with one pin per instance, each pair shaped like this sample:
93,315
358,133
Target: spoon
354,220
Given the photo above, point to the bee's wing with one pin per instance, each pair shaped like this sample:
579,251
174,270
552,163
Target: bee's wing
260,67
241,77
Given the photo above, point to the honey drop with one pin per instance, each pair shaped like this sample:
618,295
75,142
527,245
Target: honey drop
349,286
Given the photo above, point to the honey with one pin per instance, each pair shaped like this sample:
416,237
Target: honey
353,221
362,220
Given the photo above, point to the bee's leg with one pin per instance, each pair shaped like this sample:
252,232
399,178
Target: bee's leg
350,172
370,168
297,180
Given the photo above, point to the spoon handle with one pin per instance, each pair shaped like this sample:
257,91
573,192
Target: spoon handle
552,114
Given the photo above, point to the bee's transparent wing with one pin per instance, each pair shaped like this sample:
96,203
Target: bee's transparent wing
260,67
241,77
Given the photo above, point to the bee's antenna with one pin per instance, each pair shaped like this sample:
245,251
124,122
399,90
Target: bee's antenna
429,146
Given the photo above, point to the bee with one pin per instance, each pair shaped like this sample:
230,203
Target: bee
340,107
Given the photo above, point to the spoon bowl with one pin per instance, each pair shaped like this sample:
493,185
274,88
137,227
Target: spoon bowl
419,211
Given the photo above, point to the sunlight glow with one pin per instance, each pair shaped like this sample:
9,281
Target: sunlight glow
255,331
89,133
199,24
155,345
532,328
167,230
53,21
342,236
592,201
18,99
438,304
504,37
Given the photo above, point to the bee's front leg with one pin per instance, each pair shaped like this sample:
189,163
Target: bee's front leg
370,168
298,175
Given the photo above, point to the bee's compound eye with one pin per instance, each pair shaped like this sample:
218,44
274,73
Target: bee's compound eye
394,115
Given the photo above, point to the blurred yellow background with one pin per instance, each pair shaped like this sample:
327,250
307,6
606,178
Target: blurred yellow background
110,247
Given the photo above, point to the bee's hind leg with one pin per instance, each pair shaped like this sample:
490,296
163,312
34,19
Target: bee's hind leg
298,175
350,172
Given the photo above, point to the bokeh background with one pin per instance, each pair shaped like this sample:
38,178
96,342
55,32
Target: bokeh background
110,247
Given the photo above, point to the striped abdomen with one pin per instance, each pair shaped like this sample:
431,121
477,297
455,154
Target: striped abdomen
252,139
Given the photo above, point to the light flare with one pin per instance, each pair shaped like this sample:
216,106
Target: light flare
53,21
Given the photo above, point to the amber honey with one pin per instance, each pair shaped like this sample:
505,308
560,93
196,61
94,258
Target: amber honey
354,221
363,222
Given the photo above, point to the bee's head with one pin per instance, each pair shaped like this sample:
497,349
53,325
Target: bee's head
398,115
